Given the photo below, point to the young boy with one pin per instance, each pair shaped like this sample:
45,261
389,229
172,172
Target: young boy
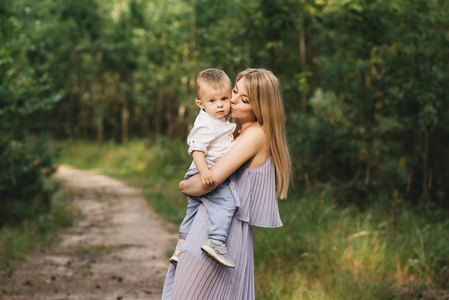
210,137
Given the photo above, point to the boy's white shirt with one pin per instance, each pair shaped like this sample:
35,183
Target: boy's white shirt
212,136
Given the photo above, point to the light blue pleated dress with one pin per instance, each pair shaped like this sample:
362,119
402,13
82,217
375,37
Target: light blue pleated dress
198,277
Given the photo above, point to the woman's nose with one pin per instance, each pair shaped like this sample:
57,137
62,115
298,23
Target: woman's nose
234,99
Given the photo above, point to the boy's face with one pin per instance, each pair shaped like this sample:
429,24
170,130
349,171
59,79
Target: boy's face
216,102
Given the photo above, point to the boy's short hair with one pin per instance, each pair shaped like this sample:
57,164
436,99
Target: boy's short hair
212,78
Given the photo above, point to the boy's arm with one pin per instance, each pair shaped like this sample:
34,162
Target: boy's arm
200,162
245,148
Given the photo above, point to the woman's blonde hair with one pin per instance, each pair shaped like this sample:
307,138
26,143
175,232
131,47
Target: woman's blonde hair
264,92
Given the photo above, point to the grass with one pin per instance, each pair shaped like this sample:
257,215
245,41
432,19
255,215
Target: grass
157,170
329,252
19,240
324,251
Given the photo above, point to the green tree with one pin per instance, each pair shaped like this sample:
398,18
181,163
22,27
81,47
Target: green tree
24,93
378,127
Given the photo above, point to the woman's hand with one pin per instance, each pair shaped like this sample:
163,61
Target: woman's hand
194,186
182,186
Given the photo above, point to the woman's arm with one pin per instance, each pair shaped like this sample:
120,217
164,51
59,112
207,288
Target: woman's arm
246,147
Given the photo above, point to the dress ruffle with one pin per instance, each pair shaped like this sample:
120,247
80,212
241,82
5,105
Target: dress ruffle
254,191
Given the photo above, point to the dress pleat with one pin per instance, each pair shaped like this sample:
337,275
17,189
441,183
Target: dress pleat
198,277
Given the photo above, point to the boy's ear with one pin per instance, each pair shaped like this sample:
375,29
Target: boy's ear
199,103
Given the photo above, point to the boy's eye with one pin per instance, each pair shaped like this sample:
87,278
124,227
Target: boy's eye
224,99
211,100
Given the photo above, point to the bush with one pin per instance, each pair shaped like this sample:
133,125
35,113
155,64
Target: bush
24,93
23,167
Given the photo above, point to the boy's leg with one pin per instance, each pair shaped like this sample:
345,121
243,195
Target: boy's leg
192,209
221,208
174,258
184,228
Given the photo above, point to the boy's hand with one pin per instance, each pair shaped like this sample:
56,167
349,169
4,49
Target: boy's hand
207,177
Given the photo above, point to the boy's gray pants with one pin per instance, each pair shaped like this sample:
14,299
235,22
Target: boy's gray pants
219,204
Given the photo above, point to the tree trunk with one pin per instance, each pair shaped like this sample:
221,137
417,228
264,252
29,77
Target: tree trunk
426,176
125,121
192,44
302,53
99,118
158,118
170,119
192,58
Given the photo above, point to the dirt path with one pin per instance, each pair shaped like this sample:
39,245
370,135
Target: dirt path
117,251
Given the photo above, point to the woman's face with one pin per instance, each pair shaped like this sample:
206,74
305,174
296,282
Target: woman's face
240,103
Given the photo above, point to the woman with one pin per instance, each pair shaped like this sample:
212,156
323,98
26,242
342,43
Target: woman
259,163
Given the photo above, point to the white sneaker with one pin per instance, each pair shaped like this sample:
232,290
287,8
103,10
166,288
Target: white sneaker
218,251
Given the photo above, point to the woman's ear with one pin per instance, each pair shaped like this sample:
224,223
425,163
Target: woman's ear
199,103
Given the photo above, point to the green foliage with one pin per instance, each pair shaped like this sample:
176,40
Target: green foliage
23,168
376,120
364,81
24,93
325,251
32,233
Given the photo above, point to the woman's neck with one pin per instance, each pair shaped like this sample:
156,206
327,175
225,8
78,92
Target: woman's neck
245,125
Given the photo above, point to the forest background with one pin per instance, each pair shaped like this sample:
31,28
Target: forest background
365,91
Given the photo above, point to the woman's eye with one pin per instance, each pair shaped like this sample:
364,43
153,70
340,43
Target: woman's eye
234,91
244,100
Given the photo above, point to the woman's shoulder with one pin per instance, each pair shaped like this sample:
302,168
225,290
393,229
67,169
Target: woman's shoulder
256,132
254,135
256,128
255,140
